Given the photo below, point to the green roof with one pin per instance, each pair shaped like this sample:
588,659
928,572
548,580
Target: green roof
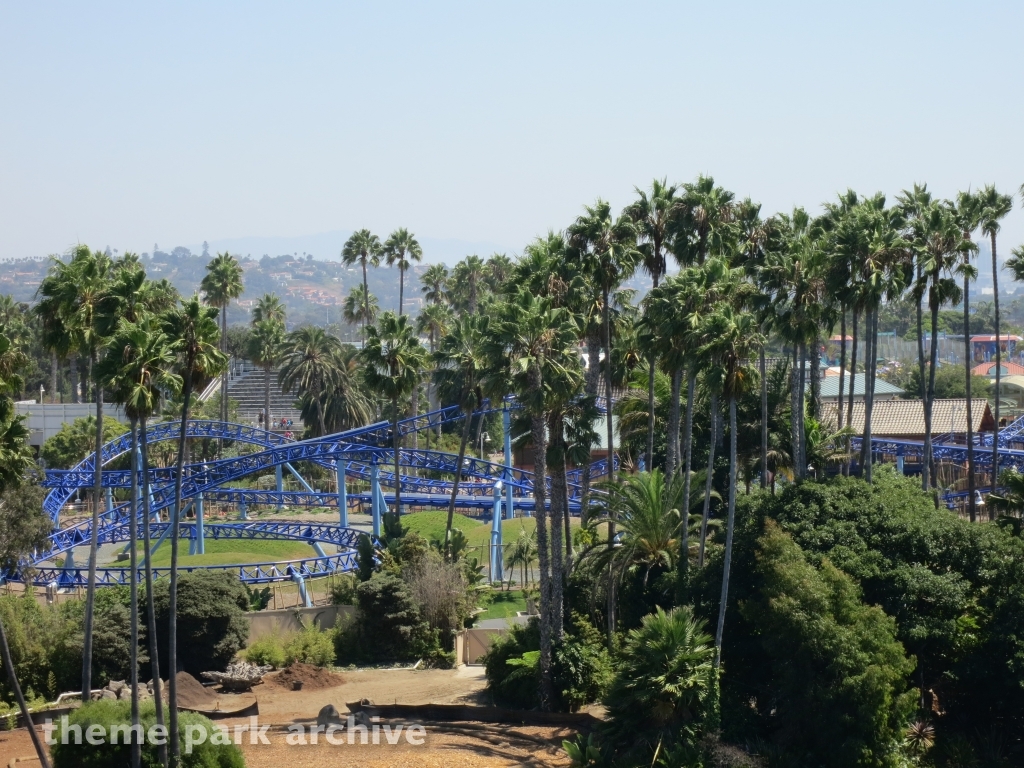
830,386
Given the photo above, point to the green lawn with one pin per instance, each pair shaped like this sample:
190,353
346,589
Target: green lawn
503,605
235,551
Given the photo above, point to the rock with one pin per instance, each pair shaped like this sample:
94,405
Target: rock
107,694
116,686
329,715
239,677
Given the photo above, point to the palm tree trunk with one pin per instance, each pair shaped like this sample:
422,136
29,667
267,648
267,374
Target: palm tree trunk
133,581
172,630
764,418
815,361
842,367
90,594
684,554
606,311
538,434
922,375
708,480
20,698
73,377
555,438
671,453
999,394
154,654
730,525
801,404
366,299
853,384
53,376
414,404
397,440
401,289
933,361
466,426
266,397
223,376
971,508
794,411
871,363
650,417
591,381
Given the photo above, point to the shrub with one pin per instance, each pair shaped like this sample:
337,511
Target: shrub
388,626
511,669
343,592
662,687
109,713
268,650
581,667
439,589
211,620
311,646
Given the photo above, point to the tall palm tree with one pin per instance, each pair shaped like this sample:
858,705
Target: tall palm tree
993,207
527,344
499,269
401,249
358,307
310,363
393,362
268,307
434,284
459,369
705,222
220,285
194,341
136,365
362,248
264,346
966,213
735,338
653,214
73,295
433,320
466,281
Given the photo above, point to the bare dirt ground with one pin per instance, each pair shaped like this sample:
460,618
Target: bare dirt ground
460,745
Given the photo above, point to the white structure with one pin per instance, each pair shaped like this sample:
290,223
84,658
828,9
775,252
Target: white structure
45,420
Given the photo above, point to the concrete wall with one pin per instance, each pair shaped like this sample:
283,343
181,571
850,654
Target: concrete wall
472,644
290,620
44,421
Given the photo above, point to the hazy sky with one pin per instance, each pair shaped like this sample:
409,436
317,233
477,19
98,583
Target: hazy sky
134,123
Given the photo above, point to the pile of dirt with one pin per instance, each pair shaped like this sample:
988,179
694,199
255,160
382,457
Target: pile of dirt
192,694
313,678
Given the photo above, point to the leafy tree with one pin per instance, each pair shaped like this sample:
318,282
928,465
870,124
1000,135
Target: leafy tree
839,677
74,441
388,626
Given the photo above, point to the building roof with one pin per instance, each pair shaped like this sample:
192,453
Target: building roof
1013,380
905,418
883,389
989,369
992,337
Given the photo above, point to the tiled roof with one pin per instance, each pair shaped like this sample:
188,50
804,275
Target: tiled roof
905,418
992,337
883,389
989,369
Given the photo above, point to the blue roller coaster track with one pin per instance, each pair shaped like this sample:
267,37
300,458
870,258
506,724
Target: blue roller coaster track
362,454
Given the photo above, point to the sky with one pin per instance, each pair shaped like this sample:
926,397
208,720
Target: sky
480,126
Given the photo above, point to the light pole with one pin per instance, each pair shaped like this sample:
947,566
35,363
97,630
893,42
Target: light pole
484,437
41,393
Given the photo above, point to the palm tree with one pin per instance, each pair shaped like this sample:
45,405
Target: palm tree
459,369
966,213
465,282
73,295
401,249
528,344
1011,499
362,248
264,345
705,222
735,338
522,553
136,366
359,308
653,215
268,307
434,284
222,283
194,341
433,320
310,363
499,270
393,361
993,207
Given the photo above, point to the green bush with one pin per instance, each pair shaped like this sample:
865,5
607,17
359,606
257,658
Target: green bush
212,627
581,667
267,650
388,626
343,592
311,646
109,713
77,440
512,666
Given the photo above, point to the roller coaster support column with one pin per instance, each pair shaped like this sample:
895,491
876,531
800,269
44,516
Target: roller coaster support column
303,594
342,494
497,553
280,481
506,423
375,496
299,477
199,540
242,513
899,463
110,499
